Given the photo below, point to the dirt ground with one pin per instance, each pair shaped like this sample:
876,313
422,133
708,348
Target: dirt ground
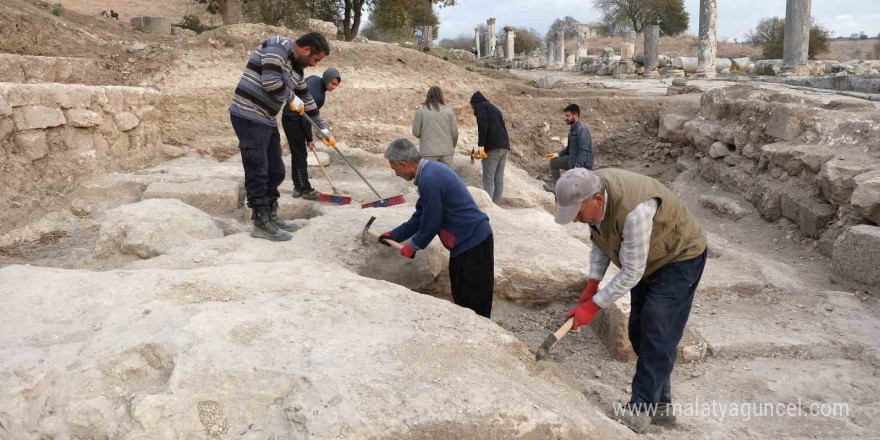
828,358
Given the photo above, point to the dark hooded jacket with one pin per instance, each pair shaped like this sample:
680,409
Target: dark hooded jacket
490,124
318,89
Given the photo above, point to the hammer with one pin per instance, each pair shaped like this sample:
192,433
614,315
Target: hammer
376,235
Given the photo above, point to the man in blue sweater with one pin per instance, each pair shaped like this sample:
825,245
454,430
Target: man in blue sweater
446,208
578,153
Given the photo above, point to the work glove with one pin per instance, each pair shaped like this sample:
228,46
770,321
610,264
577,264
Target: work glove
551,156
327,138
589,291
297,105
408,252
583,313
385,236
483,154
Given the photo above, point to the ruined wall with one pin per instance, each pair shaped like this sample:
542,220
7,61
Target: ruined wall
55,133
36,69
814,163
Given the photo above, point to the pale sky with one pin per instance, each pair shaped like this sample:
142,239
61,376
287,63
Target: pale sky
735,17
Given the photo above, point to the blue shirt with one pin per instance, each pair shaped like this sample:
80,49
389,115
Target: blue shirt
445,208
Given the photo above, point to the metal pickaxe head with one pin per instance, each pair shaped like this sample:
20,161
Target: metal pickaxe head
367,227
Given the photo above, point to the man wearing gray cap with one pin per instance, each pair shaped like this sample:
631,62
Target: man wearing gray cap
660,247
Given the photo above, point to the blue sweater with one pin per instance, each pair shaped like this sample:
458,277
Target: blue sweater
445,208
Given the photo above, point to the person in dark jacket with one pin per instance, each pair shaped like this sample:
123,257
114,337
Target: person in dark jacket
493,140
446,208
579,151
299,133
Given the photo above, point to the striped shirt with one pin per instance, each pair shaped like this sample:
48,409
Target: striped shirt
633,254
269,81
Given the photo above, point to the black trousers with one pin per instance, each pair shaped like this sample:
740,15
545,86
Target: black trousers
295,130
260,147
472,275
661,305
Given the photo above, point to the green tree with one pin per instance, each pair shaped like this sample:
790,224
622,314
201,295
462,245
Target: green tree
819,36
527,40
765,32
625,15
399,20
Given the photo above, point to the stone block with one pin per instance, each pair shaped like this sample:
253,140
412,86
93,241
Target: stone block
216,197
126,121
82,118
5,108
152,24
31,117
671,127
720,149
813,216
148,113
724,207
836,176
794,159
703,133
325,28
80,139
856,255
866,196
786,121
7,127
32,145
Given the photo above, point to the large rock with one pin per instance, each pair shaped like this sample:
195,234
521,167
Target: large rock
810,214
304,350
30,117
724,206
326,28
720,149
215,197
151,227
796,158
333,235
152,24
703,133
520,189
836,177
83,118
671,127
866,196
856,255
31,145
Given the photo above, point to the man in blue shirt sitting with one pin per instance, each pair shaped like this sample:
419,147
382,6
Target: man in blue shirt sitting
446,208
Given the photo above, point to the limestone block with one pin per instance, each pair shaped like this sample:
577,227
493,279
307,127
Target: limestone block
126,121
148,113
152,24
688,64
794,158
325,28
672,127
25,94
786,121
82,118
216,197
811,215
768,67
866,196
31,145
78,139
720,149
32,117
724,206
856,255
703,133
5,108
741,64
71,96
184,32
7,127
151,227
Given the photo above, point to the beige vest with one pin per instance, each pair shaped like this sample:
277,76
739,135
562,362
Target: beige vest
676,234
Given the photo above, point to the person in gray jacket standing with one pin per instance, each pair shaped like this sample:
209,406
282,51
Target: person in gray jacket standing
436,128
579,151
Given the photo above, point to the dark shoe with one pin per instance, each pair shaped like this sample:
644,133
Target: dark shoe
264,227
311,195
632,417
665,415
297,193
282,224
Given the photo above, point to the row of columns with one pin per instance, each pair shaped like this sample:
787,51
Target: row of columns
493,47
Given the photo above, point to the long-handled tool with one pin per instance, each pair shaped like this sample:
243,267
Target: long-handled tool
552,339
381,202
339,199
368,233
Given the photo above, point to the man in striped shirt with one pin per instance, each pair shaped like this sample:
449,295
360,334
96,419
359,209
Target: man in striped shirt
644,229
272,78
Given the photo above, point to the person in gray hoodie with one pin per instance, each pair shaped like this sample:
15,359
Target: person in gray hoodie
436,128
299,133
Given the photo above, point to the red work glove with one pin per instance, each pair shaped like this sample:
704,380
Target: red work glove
592,288
408,252
583,313
385,236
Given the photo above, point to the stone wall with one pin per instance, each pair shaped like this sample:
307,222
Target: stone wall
36,69
54,133
814,163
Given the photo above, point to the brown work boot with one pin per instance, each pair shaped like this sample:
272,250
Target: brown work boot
633,416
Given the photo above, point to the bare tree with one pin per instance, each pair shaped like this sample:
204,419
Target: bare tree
765,32
352,16
231,12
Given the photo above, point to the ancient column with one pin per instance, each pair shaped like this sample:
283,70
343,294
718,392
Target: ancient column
499,51
491,38
708,22
796,44
628,47
583,31
477,40
560,48
511,37
551,53
652,50
428,36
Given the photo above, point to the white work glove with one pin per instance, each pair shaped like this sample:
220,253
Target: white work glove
297,105
326,133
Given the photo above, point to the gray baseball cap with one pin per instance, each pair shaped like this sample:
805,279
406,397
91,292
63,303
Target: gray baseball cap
572,189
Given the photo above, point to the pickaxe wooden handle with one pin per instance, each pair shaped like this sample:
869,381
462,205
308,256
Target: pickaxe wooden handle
376,235
552,339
